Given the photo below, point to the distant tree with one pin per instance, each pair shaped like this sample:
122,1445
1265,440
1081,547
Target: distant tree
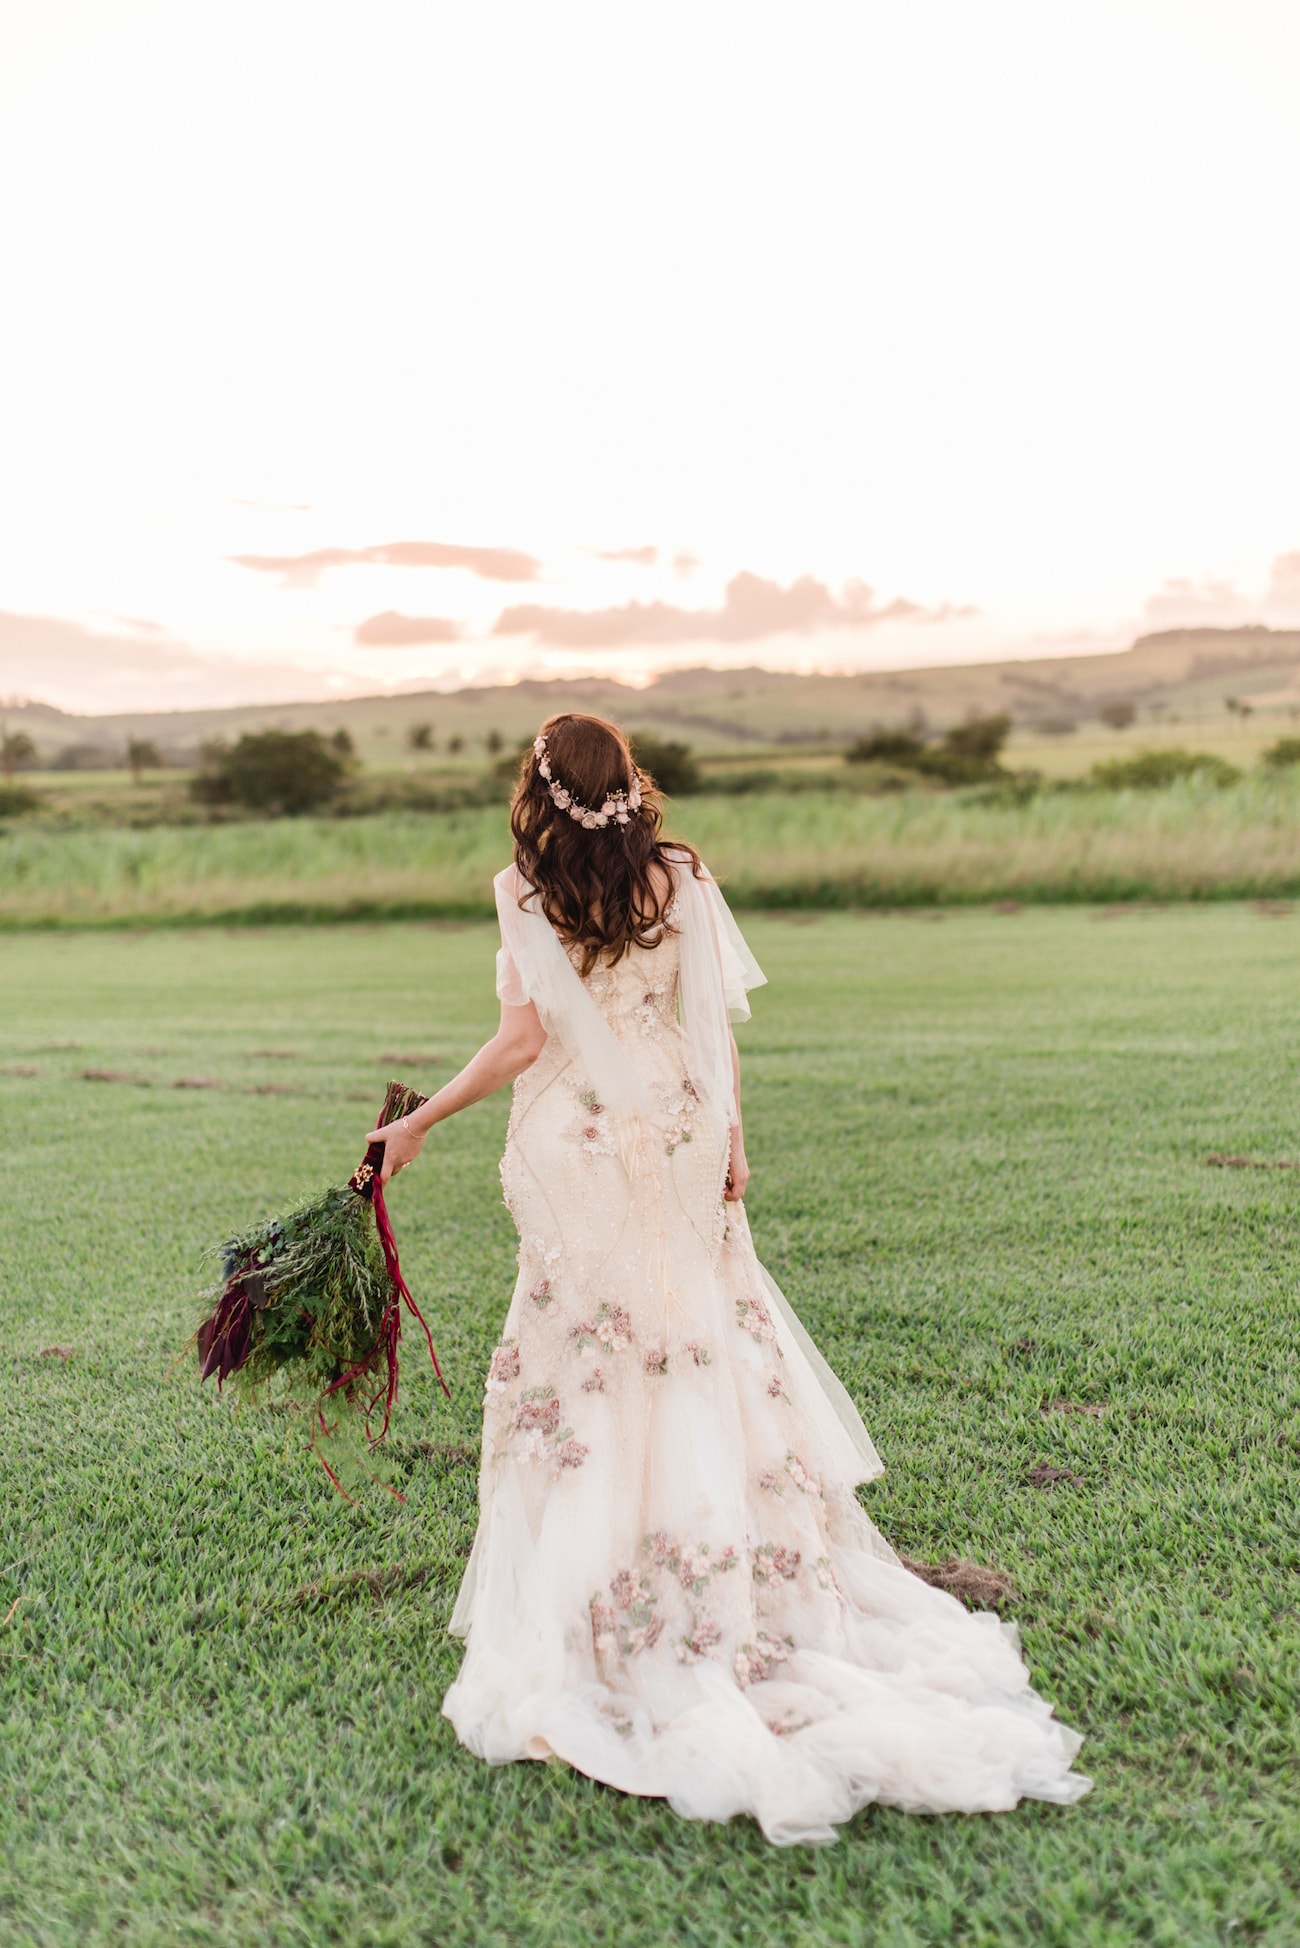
420,737
979,739
455,745
1119,713
1055,724
1282,754
342,746
16,752
507,768
271,771
142,755
885,747
495,743
669,763
1238,707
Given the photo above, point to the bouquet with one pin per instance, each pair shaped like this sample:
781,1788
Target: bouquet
312,1300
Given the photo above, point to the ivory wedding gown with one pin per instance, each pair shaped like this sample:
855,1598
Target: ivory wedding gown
673,1587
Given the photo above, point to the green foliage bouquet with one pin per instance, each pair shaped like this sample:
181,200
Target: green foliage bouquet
308,1311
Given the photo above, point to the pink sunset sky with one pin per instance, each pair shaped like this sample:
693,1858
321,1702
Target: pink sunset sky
354,346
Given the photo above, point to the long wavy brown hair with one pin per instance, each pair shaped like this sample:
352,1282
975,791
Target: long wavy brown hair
602,890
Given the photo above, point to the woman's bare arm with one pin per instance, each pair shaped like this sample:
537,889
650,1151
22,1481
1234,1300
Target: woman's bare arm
737,1166
515,1047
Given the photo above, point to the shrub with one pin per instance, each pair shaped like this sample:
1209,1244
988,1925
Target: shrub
1286,751
1154,770
15,799
967,754
1119,713
670,764
420,737
271,771
83,757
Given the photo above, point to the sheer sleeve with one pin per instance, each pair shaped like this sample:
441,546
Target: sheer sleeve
717,969
511,991
740,971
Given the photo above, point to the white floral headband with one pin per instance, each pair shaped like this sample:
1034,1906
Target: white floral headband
618,805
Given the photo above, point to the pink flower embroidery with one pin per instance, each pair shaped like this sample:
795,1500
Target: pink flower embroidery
754,1662
642,1636
753,1317
799,1474
662,1553
627,1589
656,1360
704,1637
504,1368
571,1453
776,1565
700,1354
541,1295
603,1621
776,1387
614,1328
541,1413
772,1481
594,1382
826,1575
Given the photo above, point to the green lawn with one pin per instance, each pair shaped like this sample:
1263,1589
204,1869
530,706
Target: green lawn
979,1151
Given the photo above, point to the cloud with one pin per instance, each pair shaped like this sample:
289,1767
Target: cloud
1282,597
492,564
1183,603
85,671
394,629
685,563
639,557
752,609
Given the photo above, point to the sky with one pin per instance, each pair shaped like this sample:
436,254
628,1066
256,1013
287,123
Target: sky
362,344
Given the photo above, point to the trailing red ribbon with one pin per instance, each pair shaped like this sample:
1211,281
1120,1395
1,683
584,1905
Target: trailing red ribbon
390,1326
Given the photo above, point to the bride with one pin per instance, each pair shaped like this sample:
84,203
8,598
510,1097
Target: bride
673,1587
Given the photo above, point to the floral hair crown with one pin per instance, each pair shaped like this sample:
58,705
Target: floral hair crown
616,809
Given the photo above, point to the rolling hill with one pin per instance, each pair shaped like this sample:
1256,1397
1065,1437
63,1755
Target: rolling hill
1178,675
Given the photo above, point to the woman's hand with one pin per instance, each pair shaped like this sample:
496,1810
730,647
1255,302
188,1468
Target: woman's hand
401,1146
737,1167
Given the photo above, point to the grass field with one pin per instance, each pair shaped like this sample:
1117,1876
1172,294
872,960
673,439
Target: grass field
807,849
980,1173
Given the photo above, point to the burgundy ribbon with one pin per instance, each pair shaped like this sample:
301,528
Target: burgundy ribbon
370,1185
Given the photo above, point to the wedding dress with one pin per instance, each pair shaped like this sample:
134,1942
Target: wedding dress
673,1587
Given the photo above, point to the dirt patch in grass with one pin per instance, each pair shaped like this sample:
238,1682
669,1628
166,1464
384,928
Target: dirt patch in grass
977,1586
1225,1160
1044,1475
